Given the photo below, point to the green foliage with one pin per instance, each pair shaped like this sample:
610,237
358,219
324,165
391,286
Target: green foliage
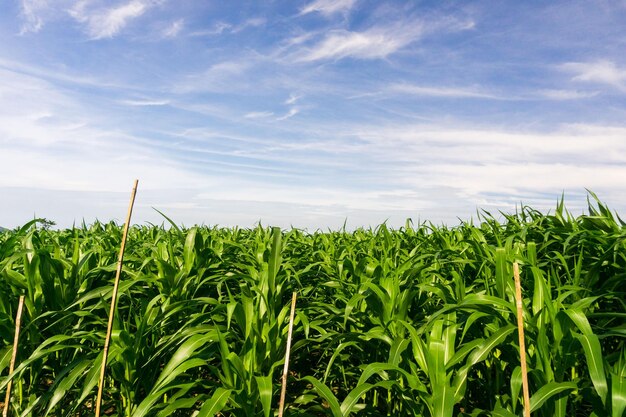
415,321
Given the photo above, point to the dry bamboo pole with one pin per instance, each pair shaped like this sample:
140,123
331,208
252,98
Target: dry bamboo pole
114,298
522,345
18,322
283,389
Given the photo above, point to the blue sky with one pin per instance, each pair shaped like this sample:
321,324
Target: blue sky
311,112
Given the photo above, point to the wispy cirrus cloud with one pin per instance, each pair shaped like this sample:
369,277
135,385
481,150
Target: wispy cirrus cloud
379,41
225,76
373,43
40,121
258,114
217,29
481,163
31,11
101,19
35,14
566,94
106,22
480,93
444,92
56,75
293,98
248,23
145,102
174,28
599,72
292,112
328,7
220,28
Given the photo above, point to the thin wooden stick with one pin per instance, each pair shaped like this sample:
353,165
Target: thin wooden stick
522,345
18,322
114,298
283,389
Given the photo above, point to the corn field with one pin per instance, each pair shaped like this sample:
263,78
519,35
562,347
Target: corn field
416,321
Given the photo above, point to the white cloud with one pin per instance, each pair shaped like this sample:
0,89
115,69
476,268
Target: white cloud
293,98
36,13
249,23
452,92
328,197
374,43
217,29
222,27
479,93
600,72
109,21
67,144
328,7
484,162
225,76
517,179
174,29
139,103
29,109
300,39
258,114
292,112
49,74
31,11
36,141
567,94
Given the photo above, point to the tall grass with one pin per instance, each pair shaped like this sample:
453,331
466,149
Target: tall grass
415,321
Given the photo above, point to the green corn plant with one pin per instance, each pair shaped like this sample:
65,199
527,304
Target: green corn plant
413,321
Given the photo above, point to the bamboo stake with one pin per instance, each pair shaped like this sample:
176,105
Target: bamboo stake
522,345
18,322
114,298
283,389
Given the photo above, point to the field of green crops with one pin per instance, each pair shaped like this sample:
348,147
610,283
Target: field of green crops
418,321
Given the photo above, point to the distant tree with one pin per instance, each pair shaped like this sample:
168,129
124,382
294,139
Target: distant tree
46,224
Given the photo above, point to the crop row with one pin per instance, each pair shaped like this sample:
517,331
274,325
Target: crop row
418,321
